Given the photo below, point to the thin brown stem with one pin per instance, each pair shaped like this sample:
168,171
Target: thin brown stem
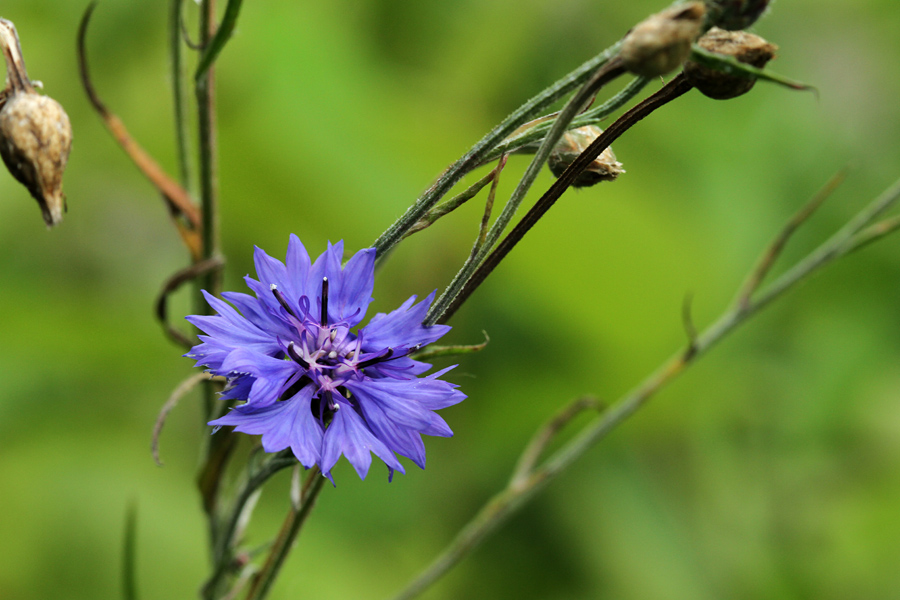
452,204
180,392
16,73
674,89
687,321
604,74
177,199
489,205
174,283
528,482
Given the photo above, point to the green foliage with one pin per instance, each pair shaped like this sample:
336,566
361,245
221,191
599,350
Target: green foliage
768,471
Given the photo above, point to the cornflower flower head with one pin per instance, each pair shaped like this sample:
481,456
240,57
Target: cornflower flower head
308,381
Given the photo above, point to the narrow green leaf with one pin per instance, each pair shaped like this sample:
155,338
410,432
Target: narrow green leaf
436,351
731,65
129,566
217,43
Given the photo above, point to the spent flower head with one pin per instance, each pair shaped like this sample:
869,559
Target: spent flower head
308,382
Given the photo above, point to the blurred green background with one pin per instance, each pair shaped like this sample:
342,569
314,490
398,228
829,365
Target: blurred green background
769,470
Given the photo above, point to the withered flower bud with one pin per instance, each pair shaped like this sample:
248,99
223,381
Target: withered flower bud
660,43
35,133
735,14
745,47
604,168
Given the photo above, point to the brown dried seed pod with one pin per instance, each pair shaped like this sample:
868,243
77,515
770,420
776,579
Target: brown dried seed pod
35,139
745,47
35,132
660,43
604,168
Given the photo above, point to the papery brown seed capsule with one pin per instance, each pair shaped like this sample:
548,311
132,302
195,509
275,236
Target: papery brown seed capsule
745,47
35,138
660,43
604,168
35,132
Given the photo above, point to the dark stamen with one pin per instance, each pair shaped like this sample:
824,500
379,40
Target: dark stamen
381,358
324,319
282,301
332,405
389,355
295,356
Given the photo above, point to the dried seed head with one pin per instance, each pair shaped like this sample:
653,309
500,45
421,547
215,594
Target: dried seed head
35,138
35,133
604,168
662,42
735,14
745,47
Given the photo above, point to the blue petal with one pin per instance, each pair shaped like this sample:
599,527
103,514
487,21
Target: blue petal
348,434
283,424
398,368
401,440
267,299
327,265
306,432
397,398
271,271
259,314
298,265
427,393
402,327
355,293
272,374
269,421
229,328
238,388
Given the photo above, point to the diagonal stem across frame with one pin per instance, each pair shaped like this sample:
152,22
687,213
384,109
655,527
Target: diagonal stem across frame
527,482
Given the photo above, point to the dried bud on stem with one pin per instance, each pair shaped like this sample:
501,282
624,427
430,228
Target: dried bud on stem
735,14
604,168
740,45
660,43
35,133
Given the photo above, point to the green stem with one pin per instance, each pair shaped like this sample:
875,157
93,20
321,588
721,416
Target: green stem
212,48
731,65
205,91
606,73
288,535
476,154
176,59
527,141
525,486
445,208
129,559
223,551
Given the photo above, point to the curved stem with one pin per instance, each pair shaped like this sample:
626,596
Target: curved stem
468,280
521,143
288,535
385,243
606,73
16,74
222,552
527,483
212,47
206,112
176,60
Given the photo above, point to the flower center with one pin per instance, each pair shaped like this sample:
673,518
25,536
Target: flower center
329,353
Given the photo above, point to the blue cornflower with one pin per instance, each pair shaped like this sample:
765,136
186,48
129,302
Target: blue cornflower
308,381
